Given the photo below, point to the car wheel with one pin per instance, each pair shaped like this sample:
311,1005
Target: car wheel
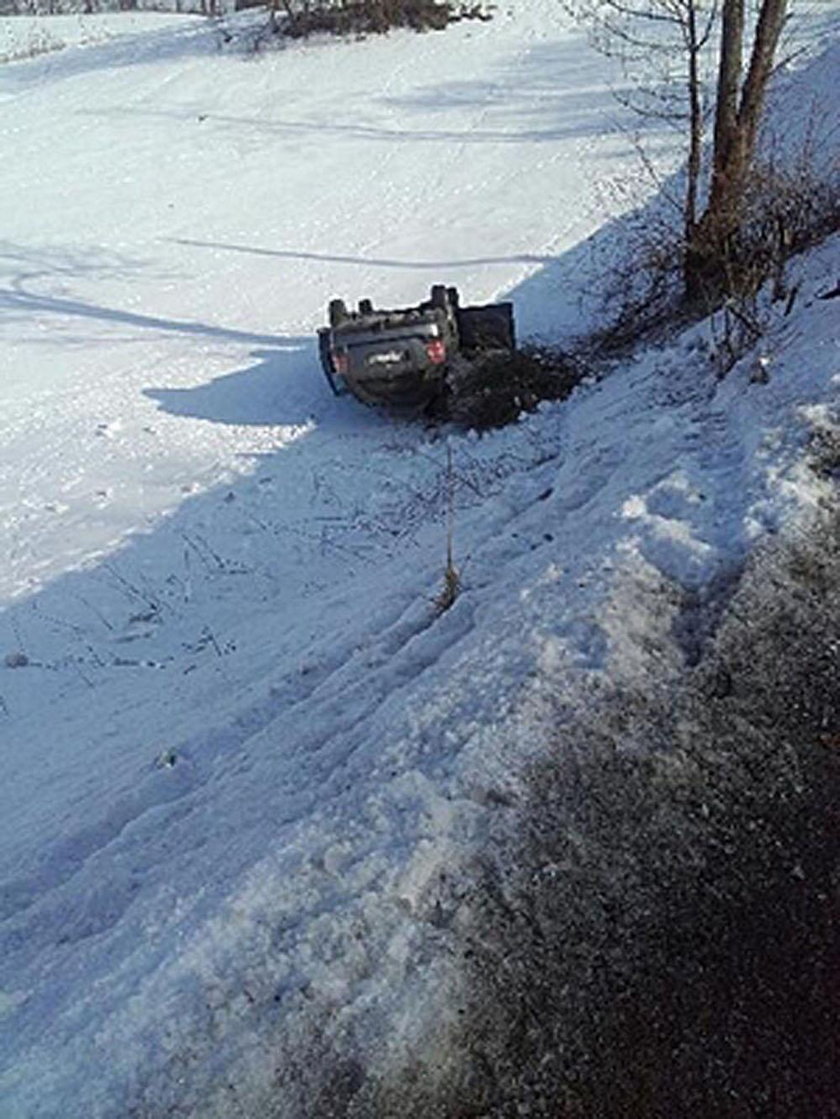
439,297
337,312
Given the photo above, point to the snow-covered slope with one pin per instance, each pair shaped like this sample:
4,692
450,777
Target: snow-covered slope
177,218
241,745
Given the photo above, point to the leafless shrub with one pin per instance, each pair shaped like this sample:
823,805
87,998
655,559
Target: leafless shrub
642,290
736,326
789,204
784,211
298,19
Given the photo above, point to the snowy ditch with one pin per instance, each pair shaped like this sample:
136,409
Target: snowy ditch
364,799
277,836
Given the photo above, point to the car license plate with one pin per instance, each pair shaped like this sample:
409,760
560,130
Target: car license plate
391,357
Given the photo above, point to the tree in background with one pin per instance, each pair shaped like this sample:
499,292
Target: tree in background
663,49
740,102
673,52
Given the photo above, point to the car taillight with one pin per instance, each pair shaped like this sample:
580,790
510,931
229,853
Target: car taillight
436,351
340,361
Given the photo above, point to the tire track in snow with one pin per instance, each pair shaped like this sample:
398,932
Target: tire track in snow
400,645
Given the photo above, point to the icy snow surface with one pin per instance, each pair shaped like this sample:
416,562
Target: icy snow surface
239,743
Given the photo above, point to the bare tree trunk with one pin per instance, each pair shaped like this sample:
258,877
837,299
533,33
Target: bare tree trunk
695,114
736,130
770,23
729,77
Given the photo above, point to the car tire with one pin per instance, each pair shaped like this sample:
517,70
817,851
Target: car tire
337,312
439,297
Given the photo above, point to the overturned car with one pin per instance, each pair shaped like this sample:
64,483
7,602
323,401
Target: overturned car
401,358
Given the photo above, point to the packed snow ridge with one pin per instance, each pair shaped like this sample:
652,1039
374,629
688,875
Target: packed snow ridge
242,747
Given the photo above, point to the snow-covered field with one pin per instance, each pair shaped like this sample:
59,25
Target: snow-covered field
23,37
240,744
